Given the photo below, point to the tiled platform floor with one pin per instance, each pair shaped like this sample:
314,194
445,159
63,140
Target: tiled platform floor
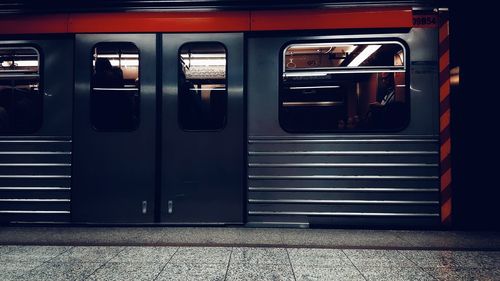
242,263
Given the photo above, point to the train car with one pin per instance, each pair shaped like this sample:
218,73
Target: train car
305,117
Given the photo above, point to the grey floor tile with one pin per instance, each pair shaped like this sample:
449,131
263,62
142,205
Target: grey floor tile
429,238
8,275
193,272
19,265
145,254
340,238
492,258
216,236
89,254
478,259
86,235
318,257
119,271
309,273
395,273
61,271
15,270
175,235
259,236
425,258
260,256
20,235
33,253
381,258
248,271
210,235
202,255
450,239
454,259
452,274
5,249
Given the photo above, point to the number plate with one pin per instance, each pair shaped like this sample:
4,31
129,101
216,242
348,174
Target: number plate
425,21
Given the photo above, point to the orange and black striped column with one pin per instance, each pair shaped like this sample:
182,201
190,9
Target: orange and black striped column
444,124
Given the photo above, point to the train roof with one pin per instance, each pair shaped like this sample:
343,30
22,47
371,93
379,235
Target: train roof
79,6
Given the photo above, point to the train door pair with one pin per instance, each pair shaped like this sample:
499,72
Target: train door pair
158,128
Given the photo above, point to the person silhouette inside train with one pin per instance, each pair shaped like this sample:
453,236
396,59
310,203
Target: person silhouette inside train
111,109
386,90
106,76
386,111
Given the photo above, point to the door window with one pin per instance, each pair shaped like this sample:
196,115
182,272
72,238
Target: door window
115,92
202,93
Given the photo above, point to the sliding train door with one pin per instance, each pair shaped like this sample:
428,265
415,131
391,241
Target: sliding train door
114,128
202,128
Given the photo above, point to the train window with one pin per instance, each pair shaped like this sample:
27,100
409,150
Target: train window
202,103
21,102
114,97
335,87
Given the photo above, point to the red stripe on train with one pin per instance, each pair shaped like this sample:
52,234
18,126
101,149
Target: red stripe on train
210,21
332,19
444,123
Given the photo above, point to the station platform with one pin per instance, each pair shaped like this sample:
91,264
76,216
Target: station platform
232,253
249,237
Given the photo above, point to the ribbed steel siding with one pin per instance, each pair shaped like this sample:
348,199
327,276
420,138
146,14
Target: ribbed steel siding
35,179
345,180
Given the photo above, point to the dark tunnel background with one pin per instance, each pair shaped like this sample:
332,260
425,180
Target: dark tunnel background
475,116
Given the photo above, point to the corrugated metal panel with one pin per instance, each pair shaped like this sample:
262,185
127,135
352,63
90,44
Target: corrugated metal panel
35,179
346,180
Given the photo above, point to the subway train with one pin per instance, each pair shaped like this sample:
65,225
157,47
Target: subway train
328,117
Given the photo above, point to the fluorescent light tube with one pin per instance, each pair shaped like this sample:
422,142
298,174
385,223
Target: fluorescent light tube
367,52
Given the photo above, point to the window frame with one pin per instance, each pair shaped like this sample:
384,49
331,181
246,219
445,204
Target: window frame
41,85
364,41
178,86
91,89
